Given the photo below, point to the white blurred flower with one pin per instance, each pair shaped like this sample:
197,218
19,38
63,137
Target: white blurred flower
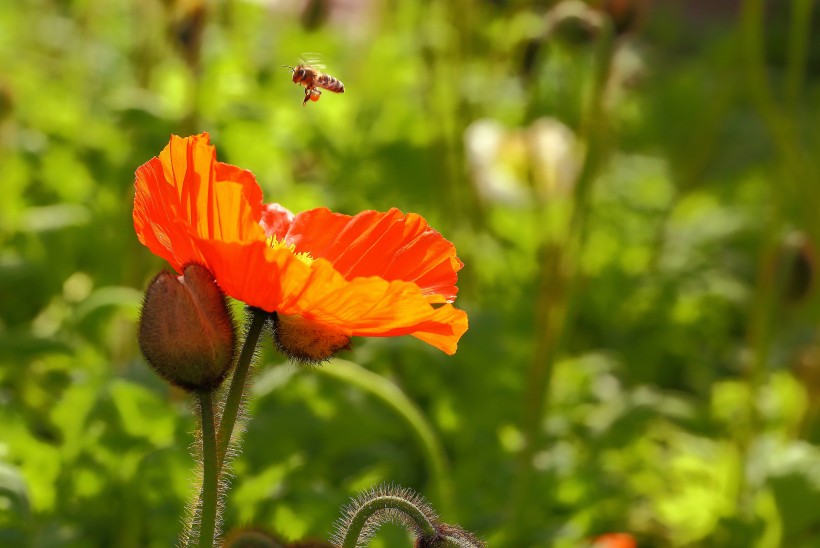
494,178
555,157
518,166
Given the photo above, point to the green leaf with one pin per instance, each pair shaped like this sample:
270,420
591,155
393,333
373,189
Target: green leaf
142,413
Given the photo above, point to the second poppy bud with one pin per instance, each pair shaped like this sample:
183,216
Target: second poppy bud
186,331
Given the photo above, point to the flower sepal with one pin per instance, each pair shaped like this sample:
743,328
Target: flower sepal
307,341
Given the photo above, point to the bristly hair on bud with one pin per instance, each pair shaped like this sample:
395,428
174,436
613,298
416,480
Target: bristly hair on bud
390,503
449,536
186,330
307,342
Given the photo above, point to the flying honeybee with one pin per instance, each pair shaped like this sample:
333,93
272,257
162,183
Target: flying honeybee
312,78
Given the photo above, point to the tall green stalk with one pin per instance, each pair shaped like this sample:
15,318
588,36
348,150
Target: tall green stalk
795,189
239,378
213,469
799,34
556,285
210,472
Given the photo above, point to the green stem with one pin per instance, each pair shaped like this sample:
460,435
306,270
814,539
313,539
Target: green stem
394,398
240,376
797,162
378,504
800,31
233,401
210,472
560,258
558,288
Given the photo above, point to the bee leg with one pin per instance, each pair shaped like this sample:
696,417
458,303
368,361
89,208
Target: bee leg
311,94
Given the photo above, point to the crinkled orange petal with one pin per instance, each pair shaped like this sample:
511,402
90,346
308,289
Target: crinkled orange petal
375,274
186,193
390,245
275,280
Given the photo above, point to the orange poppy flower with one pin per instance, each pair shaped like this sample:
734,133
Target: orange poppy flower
372,274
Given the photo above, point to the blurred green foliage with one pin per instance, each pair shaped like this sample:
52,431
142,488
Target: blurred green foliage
635,209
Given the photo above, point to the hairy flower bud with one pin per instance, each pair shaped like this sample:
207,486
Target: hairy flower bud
447,536
186,331
307,341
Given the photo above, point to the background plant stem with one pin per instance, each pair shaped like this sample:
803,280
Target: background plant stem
557,280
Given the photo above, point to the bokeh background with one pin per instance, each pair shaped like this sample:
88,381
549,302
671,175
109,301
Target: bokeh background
632,186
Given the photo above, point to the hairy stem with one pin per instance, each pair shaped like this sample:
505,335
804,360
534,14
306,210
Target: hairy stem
238,381
230,411
385,502
210,473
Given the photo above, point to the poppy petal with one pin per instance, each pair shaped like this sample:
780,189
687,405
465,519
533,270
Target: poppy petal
450,324
186,192
276,220
276,280
391,245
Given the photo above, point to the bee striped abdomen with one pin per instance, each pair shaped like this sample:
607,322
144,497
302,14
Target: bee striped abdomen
311,78
330,83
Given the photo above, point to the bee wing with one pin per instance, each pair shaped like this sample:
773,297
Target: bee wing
312,59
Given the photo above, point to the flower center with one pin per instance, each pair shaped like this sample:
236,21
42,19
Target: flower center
276,243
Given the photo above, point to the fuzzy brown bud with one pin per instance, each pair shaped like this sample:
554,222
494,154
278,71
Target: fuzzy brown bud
307,341
186,331
448,536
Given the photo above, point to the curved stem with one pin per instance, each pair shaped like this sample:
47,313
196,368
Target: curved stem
210,472
385,502
238,380
391,395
